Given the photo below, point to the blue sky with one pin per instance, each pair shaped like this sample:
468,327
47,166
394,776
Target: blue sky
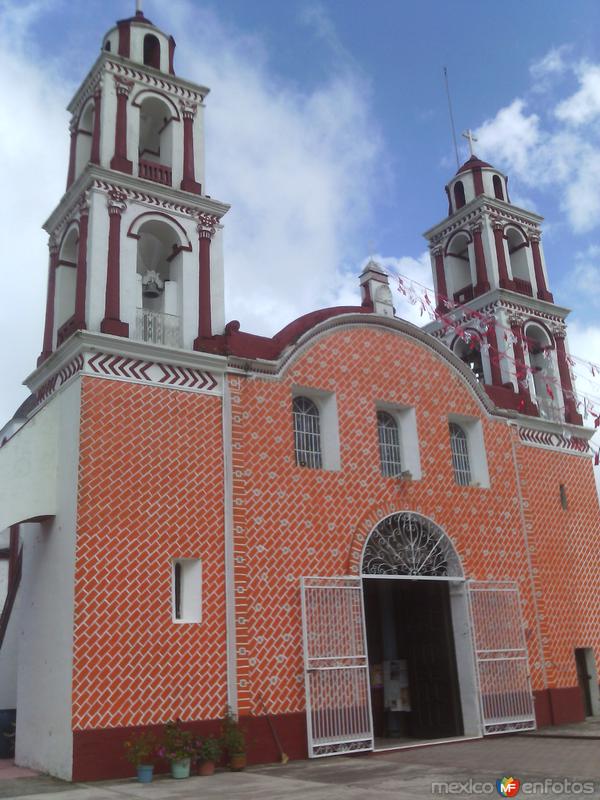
328,131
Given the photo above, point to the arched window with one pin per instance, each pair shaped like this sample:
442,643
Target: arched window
459,449
151,51
107,47
156,140
389,444
498,191
307,433
85,129
409,544
517,250
459,195
458,269
159,284
541,359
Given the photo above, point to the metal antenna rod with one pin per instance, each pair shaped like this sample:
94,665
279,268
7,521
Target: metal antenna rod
138,7
453,129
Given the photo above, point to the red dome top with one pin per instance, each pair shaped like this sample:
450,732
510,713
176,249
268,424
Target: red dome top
472,163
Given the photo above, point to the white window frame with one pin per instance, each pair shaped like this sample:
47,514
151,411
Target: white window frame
328,423
190,590
480,476
406,420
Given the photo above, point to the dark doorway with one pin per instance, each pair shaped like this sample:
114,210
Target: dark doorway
414,679
584,678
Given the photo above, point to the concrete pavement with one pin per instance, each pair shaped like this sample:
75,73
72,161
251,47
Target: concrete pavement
403,774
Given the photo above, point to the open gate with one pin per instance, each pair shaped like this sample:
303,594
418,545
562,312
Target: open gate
505,695
336,667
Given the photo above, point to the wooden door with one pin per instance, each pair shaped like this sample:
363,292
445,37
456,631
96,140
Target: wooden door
435,697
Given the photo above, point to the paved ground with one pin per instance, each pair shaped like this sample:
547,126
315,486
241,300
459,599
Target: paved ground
404,775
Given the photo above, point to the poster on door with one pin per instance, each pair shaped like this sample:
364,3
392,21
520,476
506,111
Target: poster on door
396,690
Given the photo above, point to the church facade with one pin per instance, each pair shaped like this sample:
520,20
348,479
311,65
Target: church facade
364,533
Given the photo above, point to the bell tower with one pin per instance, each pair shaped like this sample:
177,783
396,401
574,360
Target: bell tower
494,308
135,242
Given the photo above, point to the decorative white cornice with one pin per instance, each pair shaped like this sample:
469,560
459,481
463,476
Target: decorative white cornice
86,344
479,207
152,194
118,65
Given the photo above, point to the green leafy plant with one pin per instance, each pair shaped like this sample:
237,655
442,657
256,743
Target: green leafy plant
140,748
209,749
178,744
233,737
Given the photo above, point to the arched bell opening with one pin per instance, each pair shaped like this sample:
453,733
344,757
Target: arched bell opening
66,279
159,284
459,195
85,132
545,388
151,51
518,247
470,354
498,188
417,624
156,140
458,268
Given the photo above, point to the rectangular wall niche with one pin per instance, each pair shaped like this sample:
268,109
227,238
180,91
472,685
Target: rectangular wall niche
187,590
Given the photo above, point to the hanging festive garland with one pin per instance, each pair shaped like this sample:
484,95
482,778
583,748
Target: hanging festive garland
474,335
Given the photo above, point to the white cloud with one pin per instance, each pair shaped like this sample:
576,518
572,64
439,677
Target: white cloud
550,153
584,105
510,136
553,64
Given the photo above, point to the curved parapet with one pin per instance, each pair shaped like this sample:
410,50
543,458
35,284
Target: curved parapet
28,470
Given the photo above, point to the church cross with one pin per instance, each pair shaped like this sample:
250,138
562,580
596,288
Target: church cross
468,134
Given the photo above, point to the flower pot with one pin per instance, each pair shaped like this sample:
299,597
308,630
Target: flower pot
181,768
144,773
237,761
206,768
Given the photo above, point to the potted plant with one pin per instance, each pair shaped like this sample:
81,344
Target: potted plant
138,751
234,741
179,747
209,752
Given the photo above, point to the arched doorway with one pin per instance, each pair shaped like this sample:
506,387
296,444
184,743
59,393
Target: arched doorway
416,618
409,650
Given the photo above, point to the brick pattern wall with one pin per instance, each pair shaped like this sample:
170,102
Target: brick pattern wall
565,547
150,489
297,521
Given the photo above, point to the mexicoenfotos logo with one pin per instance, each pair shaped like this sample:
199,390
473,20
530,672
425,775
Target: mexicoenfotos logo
508,787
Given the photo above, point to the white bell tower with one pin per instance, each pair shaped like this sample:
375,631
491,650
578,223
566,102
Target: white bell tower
135,243
488,264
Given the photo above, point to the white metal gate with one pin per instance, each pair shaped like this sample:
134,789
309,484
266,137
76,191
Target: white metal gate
505,695
336,666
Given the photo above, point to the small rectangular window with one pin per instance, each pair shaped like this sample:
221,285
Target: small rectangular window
187,590
563,497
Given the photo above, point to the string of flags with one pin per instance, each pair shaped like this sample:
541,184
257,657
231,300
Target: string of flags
472,327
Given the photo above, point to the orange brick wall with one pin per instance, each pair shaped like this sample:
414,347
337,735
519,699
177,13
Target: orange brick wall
291,521
150,489
565,552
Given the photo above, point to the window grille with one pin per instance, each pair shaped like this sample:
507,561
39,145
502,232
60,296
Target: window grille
307,433
389,444
459,448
